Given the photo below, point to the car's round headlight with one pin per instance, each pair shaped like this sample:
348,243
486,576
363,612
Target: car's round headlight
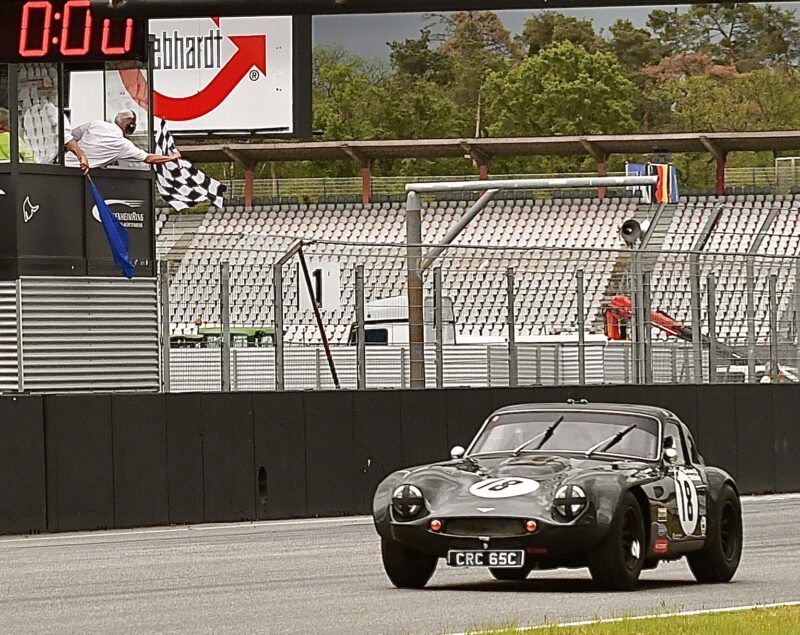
569,502
407,501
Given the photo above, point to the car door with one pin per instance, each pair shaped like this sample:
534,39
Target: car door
688,497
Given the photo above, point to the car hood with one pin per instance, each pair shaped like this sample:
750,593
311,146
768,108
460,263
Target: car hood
455,487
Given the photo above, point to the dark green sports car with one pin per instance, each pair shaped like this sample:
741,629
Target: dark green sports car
617,488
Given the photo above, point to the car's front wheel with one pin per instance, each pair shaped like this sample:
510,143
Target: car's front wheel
406,568
511,574
719,559
618,560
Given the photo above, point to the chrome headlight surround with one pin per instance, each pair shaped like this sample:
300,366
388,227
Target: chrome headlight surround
407,502
569,502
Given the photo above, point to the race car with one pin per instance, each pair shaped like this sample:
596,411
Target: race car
617,488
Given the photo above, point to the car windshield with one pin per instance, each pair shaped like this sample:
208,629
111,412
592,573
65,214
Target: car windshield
580,431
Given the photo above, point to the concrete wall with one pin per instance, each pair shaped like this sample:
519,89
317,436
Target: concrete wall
103,461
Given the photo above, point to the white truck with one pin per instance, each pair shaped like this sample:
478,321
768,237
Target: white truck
386,322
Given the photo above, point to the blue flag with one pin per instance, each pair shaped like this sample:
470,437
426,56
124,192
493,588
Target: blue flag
117,235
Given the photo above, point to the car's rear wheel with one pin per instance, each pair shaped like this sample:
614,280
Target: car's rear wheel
618,560
510,575
406,568
719,559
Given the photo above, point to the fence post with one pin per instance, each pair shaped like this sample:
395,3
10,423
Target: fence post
513,361
797,311
416,319
318,367
751,321
361,342
20,340
557,365
277,288
712,328
647,330
697,332
438,327
403,380
225,319
773,326
581,320
163,280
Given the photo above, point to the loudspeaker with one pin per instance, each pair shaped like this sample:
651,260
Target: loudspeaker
632,230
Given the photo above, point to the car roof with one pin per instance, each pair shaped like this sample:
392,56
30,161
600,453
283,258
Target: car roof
641,409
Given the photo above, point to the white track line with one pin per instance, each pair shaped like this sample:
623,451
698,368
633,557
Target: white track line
305,522
653,616
112,533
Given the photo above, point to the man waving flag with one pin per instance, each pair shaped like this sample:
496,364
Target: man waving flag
180,183
117,235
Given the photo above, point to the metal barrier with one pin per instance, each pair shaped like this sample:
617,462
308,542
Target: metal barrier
493,317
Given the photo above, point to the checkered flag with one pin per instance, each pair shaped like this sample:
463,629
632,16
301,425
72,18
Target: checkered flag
180,183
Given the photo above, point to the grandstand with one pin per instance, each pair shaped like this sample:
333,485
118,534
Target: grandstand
546,241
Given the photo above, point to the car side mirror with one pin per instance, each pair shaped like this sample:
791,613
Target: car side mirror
671,455
457,452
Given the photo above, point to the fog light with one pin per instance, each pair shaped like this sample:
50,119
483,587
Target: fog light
436,525
531,526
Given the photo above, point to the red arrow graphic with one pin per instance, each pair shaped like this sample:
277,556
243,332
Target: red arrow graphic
252,51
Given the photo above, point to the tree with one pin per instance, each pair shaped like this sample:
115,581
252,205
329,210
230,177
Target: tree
548,28
562,90
742,34
344,95
415,57
765,99
478,44
634,47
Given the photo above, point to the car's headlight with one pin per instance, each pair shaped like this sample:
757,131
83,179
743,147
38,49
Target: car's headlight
407,501
569,502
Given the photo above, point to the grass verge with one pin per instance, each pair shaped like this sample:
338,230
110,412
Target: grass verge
762,621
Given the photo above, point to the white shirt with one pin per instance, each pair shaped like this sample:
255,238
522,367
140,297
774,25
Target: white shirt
103,143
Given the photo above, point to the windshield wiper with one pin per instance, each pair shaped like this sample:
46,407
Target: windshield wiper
546,437
607,444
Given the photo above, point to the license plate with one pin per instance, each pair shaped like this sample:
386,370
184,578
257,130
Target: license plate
494,559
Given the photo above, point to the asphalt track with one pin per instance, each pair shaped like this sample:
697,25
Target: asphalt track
325,576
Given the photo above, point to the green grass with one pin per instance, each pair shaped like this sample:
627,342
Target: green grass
777,621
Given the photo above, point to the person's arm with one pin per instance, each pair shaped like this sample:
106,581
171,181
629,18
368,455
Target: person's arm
128,151
155,159
72,146
77,133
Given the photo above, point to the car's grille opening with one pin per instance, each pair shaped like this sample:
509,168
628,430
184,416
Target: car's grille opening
492,527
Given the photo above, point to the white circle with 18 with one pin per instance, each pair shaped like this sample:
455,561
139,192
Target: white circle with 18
503,487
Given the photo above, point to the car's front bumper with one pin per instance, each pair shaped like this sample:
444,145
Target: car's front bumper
551,540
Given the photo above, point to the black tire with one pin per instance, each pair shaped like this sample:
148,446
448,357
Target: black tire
406,568
618,560
510,575
719,559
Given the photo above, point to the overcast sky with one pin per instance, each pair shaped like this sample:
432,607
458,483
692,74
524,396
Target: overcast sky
367,35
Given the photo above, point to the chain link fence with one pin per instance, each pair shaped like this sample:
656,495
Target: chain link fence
493,316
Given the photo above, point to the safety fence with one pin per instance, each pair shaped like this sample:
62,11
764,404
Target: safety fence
779,178
492,316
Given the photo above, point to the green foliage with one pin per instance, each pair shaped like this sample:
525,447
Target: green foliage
549,28
741,34
563,89
634,47
708,68
761,621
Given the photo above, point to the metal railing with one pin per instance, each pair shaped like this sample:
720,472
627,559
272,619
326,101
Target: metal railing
493,316
316,188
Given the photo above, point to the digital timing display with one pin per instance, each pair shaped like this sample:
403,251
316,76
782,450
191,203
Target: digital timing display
66,30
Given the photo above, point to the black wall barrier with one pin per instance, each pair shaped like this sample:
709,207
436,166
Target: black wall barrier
100,461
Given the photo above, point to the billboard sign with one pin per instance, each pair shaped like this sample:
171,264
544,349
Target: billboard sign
220,75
